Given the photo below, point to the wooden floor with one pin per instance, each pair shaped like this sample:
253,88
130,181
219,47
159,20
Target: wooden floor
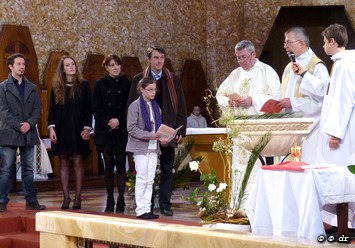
94,199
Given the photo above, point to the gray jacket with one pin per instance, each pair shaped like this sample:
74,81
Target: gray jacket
14,110
138,138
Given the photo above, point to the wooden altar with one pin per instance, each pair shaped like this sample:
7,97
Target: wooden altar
203,141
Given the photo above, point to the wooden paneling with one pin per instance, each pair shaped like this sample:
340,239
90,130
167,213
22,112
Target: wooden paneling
17,39
194,83
131,66
93,69
169,65
203,148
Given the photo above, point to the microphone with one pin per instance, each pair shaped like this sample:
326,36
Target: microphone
292,57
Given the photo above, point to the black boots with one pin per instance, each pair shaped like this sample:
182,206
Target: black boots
120,205
110,205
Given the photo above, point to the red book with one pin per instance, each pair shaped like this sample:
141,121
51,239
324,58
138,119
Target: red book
288,165
270,106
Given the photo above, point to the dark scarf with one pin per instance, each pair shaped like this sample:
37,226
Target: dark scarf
146,116
171,87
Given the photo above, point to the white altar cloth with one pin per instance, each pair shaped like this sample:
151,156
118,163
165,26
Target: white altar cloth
208,130
289,203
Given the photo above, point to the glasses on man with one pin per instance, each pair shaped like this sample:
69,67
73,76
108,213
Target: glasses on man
288,42
151,90
242,58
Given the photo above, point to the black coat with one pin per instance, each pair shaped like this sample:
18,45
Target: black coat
70,119
110,98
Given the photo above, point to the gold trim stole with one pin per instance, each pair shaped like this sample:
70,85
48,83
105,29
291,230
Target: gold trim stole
287,72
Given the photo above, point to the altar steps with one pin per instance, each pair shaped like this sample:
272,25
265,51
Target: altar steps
17,227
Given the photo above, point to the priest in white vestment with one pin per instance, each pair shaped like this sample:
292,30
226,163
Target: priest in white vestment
304,85
336,144
254,82
245,91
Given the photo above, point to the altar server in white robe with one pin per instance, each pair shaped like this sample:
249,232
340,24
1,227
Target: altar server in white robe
303,85
336,143
245,91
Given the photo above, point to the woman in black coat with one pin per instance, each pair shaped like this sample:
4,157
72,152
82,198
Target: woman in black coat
69,124
110,98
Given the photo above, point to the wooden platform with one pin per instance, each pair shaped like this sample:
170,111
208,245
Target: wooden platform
54,184
93,204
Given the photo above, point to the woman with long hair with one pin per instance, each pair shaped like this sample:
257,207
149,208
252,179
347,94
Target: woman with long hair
69,124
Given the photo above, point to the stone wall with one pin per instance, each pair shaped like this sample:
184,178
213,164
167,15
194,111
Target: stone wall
198,29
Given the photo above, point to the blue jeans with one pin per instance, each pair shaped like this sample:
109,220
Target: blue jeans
8,158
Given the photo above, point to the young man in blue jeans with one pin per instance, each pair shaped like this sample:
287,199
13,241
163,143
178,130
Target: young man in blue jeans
20,109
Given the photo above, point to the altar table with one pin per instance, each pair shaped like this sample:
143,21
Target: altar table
203,142
289,203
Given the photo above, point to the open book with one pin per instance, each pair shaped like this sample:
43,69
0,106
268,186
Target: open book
270,106
167,133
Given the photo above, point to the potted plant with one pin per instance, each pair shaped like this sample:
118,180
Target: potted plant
219,202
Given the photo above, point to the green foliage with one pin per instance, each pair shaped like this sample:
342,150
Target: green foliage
263,141
268,116
351,168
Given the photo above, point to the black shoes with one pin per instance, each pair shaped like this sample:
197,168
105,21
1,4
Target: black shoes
110,205
148,216
34,206
29,205
2,207
167,212
77,204
153,216
66,204
120,205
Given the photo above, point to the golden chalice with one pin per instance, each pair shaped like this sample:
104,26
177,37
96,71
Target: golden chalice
296,152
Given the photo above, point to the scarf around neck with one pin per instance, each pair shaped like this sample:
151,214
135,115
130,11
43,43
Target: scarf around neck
146,116
171,87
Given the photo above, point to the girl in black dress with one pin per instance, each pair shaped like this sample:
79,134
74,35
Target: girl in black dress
69,124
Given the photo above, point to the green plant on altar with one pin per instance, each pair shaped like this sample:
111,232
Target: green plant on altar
180,168
216,203
351,168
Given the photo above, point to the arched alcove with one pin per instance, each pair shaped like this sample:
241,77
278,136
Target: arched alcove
314,19
17,39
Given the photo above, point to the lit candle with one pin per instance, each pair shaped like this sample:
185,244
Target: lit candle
296,152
